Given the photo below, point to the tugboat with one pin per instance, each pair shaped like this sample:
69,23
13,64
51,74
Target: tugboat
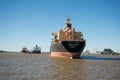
25,50
36,49
67,43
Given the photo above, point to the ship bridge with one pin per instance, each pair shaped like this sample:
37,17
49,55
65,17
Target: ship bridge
68,33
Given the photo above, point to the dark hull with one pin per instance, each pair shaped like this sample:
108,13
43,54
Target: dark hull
67,49
36,52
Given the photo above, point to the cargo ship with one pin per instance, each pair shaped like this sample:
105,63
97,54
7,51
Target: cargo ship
36,50
67,43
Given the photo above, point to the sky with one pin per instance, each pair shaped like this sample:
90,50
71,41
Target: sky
25,23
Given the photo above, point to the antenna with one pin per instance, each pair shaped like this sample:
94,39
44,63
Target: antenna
68,19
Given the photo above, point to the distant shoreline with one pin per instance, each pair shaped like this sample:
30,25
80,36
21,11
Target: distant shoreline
10,52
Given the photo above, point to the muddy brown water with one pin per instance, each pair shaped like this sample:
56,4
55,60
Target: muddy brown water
17,66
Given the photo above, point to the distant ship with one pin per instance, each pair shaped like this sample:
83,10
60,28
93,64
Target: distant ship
67,42
25,50
36,49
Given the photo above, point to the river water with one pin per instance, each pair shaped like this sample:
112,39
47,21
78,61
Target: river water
18,66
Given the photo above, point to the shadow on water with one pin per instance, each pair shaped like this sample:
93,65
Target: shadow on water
98,58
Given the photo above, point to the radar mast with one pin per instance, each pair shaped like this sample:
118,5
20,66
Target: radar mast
68,24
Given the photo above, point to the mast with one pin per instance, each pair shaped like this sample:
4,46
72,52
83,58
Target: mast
68,24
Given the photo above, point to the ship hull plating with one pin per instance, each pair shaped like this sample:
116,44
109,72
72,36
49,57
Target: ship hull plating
67,49
36,52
